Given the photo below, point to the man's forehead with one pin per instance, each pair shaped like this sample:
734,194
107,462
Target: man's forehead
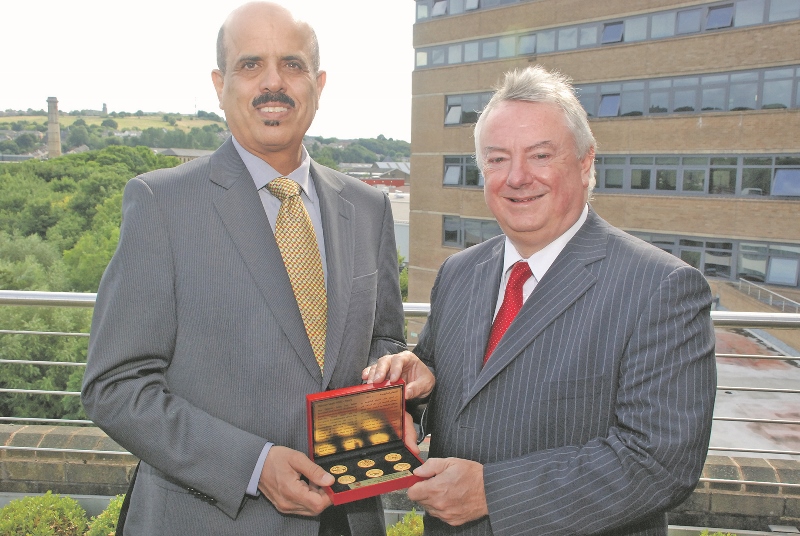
277,29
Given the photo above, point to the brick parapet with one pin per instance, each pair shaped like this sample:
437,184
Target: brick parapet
733,505
92,471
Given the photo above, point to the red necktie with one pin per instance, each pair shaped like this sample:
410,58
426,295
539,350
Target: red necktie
512,303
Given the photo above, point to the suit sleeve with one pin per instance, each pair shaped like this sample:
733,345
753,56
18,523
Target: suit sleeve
652,457
388,332
125,390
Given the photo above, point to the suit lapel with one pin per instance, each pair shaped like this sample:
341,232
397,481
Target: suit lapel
242,213
564,283
337,222
480,309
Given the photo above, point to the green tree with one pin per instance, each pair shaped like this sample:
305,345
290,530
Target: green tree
26,142
9,147
29,263
92,252
77,136
109,123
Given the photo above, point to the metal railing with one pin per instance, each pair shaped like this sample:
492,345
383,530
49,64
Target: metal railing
768,296
722,319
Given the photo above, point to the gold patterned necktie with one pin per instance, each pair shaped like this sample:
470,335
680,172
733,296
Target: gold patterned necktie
297,242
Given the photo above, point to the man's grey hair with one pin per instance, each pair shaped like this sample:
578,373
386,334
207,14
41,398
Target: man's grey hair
222,50
536,84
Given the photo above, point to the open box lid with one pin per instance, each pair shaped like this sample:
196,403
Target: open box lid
354,418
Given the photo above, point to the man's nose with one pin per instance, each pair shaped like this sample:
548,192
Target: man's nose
271,79
519,173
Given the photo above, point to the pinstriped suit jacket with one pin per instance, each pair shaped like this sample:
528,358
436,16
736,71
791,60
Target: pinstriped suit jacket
593,414
198,354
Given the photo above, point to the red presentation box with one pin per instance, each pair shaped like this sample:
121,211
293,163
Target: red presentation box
356,434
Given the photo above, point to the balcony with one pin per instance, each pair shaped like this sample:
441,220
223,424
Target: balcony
751,478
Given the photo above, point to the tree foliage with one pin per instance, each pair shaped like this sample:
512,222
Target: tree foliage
364,150
59,226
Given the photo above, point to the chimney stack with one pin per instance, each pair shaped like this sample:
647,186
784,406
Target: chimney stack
53,129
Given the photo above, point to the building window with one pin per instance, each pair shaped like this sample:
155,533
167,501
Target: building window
749,12
465,232
609,105
439,8
745,176
527,45
461,171
719,92
689,21
612,32
775,264
780,10
661,25
719,17
464,109
787,182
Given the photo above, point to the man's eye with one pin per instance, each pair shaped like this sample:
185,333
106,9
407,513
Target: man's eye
249,65
294,65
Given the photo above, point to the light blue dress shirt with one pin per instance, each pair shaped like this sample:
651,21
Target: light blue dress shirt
262,174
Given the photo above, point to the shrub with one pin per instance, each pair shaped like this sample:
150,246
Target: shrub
105,524
43,515
410,525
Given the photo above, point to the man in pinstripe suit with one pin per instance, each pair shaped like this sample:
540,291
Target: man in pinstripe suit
592,414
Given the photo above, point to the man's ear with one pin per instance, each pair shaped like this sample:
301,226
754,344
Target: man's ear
218,78
322,77
586,166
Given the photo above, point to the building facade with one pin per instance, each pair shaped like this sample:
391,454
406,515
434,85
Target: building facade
695,105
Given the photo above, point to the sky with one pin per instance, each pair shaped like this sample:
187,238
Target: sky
157,56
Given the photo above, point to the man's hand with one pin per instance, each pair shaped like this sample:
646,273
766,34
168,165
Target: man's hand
282,485
418,377
410,434
453,492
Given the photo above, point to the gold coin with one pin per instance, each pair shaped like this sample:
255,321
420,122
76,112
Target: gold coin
353,443
403,466
374,473
393,457
325,449
345,430
371,424
338,469
366,463
379,438
346,479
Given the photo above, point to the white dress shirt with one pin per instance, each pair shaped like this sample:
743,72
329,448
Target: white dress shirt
539,262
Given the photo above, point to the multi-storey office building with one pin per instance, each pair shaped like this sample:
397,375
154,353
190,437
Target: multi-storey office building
695,105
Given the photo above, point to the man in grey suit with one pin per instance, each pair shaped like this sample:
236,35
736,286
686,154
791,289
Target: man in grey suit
199,360
591,413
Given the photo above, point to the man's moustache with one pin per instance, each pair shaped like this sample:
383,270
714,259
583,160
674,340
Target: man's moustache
269,96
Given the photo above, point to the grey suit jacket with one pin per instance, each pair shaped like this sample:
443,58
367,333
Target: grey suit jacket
593,414
198,354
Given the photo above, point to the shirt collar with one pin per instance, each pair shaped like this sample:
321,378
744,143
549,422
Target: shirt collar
541,261
263,173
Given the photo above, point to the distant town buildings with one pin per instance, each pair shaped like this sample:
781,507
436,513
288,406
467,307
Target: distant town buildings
184,155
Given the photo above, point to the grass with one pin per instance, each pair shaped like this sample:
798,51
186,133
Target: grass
132,122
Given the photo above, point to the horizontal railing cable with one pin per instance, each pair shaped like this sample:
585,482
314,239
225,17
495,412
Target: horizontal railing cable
721,319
